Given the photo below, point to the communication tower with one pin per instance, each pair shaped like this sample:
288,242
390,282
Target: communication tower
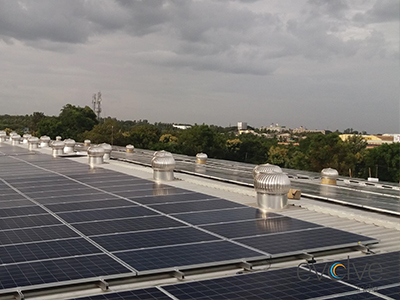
96,101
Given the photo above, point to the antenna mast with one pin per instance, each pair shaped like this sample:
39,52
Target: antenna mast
96,101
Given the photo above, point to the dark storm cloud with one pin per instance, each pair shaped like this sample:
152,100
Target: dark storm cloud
205,35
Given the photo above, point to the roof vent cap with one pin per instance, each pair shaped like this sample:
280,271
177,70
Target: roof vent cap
44,141
163,165
25,138
58,138
130,148
58,148
266,168
272,189
15,139
96,155
329,176
33,142
69,146
86,143
107,150
201,158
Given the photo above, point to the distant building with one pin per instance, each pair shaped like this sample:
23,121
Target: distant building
274,127
301,129
181,126
242,126
372,140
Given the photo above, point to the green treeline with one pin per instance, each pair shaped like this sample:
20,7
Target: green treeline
314,152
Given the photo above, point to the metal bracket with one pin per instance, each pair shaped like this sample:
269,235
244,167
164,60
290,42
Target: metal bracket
246,266
308,257
103,285
178,274
19,295
365,249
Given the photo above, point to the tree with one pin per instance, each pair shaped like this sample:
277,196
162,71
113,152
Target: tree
278,156
108,132
201,138
49,126
144,136
387,158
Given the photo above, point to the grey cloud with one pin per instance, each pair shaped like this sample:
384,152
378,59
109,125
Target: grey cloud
382,11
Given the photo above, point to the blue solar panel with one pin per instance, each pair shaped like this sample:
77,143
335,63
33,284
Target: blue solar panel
44,233
83,198
393,292
125,225
186,255
370,271
294,242
103,214
228,215
64,207
278,284
154,238
196,206
258,227
142,294
46,250
60,270
27,221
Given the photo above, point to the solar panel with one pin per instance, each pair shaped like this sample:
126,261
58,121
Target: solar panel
125,225
156,238
187,196
258,227
195,206
211,253
283,244
277,284
393,292
99,196
371,271
59,270
21,211
227,215
15,203
103,214
141,294
46,250
149,192
28,221
36,234
13,196
74,206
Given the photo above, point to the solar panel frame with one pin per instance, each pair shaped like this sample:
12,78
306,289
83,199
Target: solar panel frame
212,204
182,257
276,284
138,294
46,250
259,227
275,244
41,274
221,216
106,214
154,238
36,234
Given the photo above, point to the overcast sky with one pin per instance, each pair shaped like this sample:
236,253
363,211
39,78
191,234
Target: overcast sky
316,63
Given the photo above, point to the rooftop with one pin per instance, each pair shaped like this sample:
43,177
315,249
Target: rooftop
69,231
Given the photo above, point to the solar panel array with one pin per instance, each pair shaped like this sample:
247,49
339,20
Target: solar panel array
381,282
63,223
369,197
